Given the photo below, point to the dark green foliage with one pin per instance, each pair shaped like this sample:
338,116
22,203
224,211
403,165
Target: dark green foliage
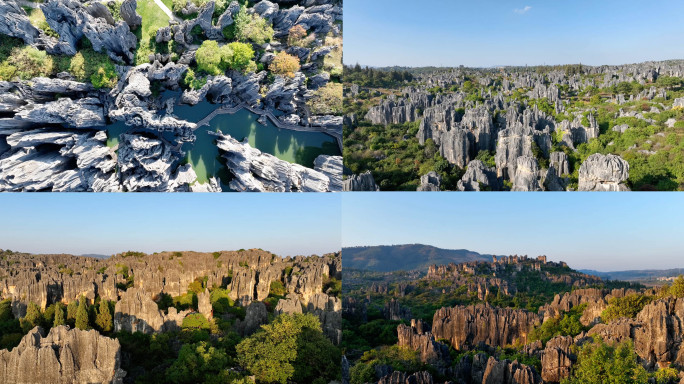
400,359
10,328
316,358
104,320
601,363
277,288
332,286
220,300
82,314
271,354
369,77
59,316
628,306
197,363
196,321
33,317
568,324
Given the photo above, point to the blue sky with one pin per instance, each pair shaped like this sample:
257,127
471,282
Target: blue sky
602,231
286,224
505,32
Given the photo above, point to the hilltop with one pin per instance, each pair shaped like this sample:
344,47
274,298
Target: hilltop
407,257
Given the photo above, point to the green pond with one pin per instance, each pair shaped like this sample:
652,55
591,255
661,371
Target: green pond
292,146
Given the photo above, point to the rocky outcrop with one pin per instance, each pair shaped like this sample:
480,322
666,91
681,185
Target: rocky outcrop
431,352
519,141
137,312
430,182
289,305
255,171
79,162
397,377
15,22
603,173
63,356
467,326
658,339
395,312
478,177
81,113
256,315
204,304
526,174
150,165
129,14
557,359
362,182
507,372
457,146
72,21
330,166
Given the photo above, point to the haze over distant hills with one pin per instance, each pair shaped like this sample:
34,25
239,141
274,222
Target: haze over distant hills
388,258
636,274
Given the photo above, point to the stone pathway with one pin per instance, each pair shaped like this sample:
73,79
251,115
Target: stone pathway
166,10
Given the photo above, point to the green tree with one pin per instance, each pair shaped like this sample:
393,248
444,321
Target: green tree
82,314
208,57
104,319
627,306
249,27
677,288
269,353
33,317
277,288
239,57
598,362
59,316
197,363
317,357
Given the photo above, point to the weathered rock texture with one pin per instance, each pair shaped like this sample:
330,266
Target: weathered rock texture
63,356
466,326
603,173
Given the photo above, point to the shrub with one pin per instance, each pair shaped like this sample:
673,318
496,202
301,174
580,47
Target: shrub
208,57
284,64
627,306
239,57
277,288
296,34
250,27
601,363
30,62
196,321
327,100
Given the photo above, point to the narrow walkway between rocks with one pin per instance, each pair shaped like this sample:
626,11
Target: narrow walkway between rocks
166,10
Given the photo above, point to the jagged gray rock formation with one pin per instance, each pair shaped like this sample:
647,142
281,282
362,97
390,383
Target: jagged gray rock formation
72,21
457,146
430,182
137,312
398,377
362,182
330,166
255,171
148,165
469,325
519,141
507,372
256,315
603,173
129,14
82,113
478,177
526,174
431,352
15,22
63,356
557,359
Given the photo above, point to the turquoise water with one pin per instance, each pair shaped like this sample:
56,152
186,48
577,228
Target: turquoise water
292,146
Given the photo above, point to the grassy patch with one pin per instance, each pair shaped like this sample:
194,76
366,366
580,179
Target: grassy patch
153,18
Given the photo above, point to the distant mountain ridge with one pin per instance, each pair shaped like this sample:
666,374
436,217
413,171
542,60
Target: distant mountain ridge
389,258
636,274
